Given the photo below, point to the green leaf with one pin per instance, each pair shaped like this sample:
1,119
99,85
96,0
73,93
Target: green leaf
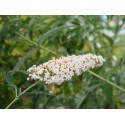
22,60
108,91
82,99
77,84
8,77
50,33
108,38
122,60
117,77
66,90
10,80
80,45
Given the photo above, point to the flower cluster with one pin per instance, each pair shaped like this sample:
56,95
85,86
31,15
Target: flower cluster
56,71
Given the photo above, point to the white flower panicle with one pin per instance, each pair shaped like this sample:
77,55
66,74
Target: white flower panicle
56,71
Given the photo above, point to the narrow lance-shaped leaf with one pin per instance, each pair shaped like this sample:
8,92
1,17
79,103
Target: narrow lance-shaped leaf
122,60
8,77
10,81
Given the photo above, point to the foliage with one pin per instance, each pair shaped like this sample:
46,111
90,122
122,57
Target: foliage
29,40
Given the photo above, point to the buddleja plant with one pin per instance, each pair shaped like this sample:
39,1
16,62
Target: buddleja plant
56,71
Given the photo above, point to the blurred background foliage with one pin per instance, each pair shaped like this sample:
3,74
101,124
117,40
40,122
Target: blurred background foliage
66,35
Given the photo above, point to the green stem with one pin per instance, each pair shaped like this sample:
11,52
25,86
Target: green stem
109,82
54,53
14,100
23,92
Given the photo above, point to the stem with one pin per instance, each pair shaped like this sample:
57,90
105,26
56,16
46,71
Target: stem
12,103
109,82
54,53
23,92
